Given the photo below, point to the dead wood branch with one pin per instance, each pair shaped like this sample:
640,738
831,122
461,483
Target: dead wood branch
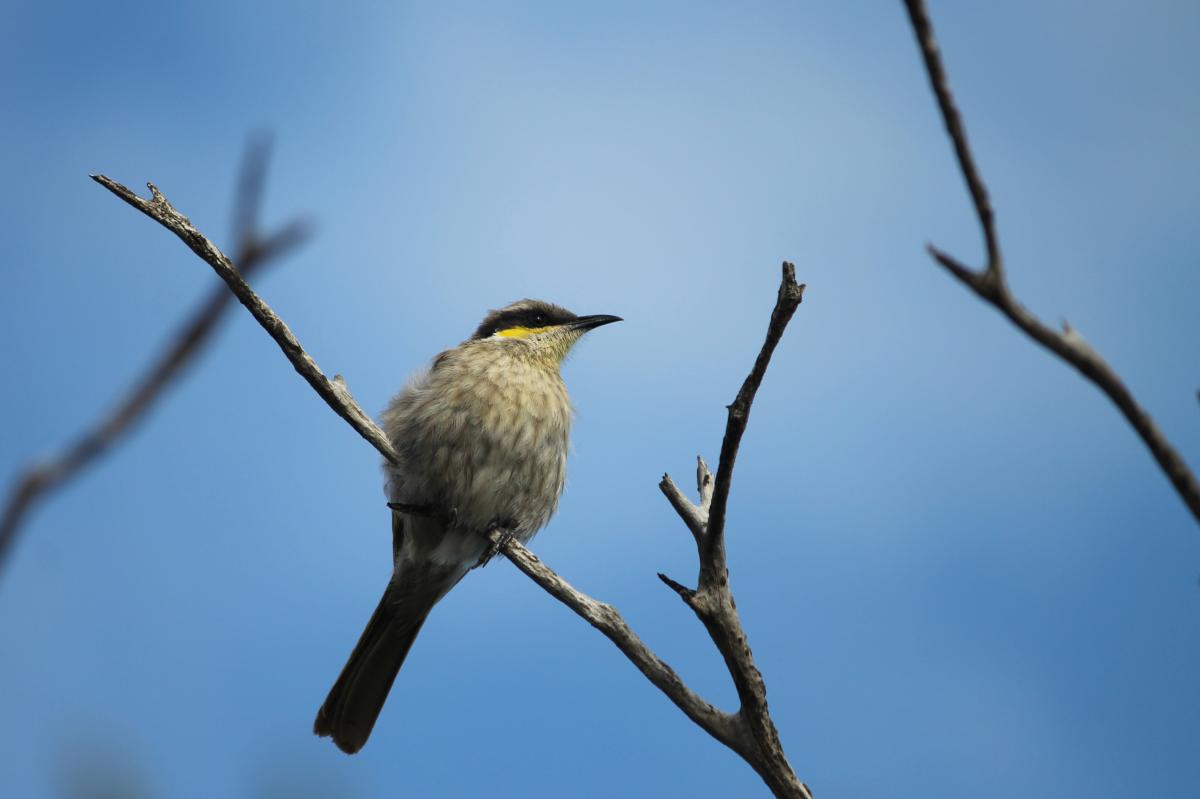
991,285
712,601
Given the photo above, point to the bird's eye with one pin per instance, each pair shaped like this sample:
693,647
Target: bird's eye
539,320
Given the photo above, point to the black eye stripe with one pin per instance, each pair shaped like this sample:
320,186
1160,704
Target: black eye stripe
541,315
522,319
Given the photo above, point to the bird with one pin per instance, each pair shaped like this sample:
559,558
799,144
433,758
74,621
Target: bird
481,437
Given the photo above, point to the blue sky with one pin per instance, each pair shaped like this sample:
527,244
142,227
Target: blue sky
957,566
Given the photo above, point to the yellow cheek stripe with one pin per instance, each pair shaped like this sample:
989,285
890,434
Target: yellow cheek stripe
521,332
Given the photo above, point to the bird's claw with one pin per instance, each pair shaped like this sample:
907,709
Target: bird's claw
505,537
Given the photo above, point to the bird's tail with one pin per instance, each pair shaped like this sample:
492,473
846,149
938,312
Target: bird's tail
354,702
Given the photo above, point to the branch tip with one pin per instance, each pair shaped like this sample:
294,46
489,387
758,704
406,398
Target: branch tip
789,290
704,485
960,270
684,592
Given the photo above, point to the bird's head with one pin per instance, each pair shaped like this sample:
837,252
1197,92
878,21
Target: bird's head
544,331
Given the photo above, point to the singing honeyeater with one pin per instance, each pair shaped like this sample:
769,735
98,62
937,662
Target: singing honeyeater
482,439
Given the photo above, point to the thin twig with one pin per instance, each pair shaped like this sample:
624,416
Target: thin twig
693,516
254,252
791,294
992,286
958,134
733,730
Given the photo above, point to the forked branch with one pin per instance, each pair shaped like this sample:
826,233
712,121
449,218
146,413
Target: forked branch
712,601
749,732
992,286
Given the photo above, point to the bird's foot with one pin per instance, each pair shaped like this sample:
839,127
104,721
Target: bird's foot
506,536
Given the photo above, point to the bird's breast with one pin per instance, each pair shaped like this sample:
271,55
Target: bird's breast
487,440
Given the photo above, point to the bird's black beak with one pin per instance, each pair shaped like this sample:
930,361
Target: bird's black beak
594,321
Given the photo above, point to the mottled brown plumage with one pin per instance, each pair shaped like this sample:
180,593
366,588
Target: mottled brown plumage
482,437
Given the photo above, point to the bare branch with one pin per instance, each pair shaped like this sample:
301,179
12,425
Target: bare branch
790,295
160,210
923,29
606,619
712,601
992,286
684,592
254,251
693,516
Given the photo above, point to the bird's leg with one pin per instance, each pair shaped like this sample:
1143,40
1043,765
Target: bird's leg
506,535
